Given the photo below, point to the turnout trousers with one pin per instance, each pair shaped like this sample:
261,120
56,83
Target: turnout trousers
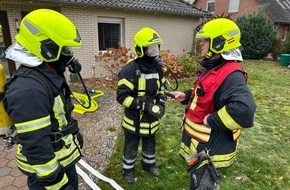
130,150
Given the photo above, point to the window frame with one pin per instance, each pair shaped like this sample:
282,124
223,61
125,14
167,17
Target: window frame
234,6
106,20
208,2
285,33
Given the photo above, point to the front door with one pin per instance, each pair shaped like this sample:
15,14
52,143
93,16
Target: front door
5,42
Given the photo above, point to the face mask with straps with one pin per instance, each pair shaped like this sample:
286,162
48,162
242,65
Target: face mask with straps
71,62
153,50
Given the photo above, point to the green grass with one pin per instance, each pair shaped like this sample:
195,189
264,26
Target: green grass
263,161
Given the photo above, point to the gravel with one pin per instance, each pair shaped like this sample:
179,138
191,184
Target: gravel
100,130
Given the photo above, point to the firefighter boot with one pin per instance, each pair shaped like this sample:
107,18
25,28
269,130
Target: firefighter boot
129,177
153,171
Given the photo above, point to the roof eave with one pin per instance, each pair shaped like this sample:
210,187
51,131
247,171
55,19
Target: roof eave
128,8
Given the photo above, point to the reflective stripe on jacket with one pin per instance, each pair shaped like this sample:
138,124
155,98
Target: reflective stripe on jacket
139,79
213,91
28,104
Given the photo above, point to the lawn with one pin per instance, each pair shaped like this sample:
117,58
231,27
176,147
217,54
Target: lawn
263,161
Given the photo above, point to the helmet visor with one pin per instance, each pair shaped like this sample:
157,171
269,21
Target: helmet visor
201,39
67,51
153,50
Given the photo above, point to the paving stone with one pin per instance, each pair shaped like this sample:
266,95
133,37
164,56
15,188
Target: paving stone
15,172
6,181
10,187
5,171
11,154
23,188
2,153
20,181
3,162
12,163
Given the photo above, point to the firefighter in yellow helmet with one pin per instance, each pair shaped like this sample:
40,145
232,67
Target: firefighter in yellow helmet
141,91
218,107
38,100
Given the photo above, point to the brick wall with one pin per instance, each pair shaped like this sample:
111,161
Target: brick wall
222,6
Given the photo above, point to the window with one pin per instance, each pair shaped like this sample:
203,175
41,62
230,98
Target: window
110,33
210,6
234,6
285,33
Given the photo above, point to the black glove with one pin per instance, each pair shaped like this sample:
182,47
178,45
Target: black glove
161,99
75,66
137,103
140,103
155,110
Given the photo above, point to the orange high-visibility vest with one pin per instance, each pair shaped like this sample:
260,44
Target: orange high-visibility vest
202,102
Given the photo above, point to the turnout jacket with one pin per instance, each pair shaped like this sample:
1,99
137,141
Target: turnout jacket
36,118
136,80
221,92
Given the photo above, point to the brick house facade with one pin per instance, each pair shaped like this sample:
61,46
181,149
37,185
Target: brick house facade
277,11
222,7
175,26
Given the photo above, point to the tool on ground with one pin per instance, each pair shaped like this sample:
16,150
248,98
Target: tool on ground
86,103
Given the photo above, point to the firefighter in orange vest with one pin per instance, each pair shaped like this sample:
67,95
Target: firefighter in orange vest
218,107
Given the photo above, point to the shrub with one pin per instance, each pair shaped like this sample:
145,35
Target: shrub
114,59
171,61
286,45
189,63
257,35
276,49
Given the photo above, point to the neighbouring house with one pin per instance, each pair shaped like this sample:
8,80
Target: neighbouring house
278,11
104,23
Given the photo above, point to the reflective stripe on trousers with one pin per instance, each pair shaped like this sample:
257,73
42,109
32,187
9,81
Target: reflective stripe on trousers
131,144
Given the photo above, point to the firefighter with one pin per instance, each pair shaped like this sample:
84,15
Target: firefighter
218,107
141,91
49,141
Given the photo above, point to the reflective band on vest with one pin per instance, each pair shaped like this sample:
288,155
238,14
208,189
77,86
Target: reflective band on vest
236,134
196,131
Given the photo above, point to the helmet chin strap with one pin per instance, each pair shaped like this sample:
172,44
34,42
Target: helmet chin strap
209,54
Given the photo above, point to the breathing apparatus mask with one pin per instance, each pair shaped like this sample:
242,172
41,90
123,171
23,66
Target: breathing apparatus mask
152,54
72,63
74,66
66,59
152,50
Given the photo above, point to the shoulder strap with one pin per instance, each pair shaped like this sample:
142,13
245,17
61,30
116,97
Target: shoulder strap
136,70
35,75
